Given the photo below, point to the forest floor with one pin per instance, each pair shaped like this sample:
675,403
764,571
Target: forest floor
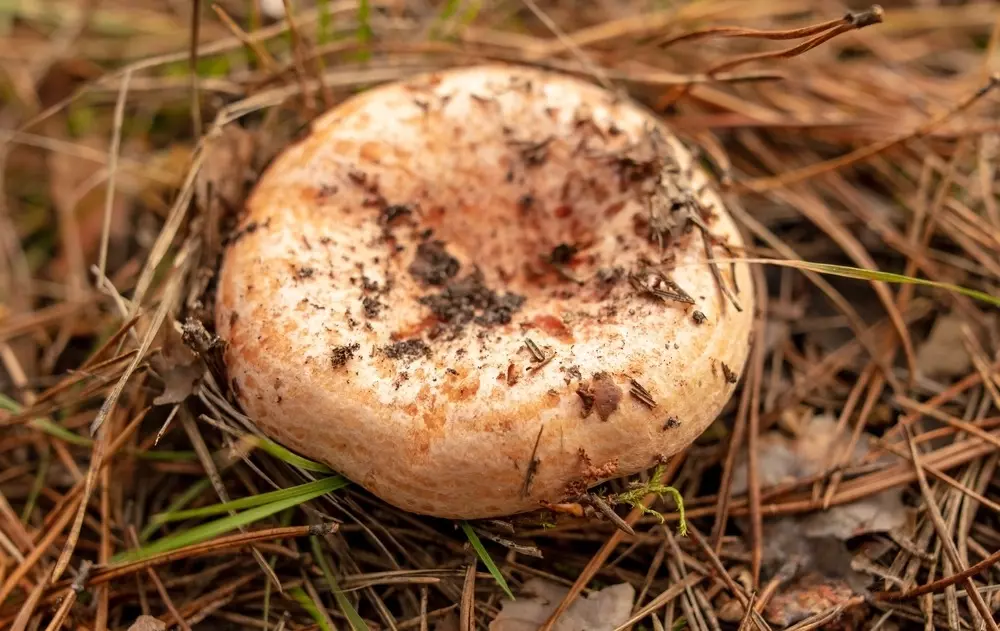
850,483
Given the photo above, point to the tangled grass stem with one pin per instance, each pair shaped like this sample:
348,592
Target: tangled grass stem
633,497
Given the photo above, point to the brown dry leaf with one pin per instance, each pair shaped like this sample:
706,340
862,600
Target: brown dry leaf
147,623
604,610
182,370
786,459
227,167
943,354
810,550
810,595
222,182
878,513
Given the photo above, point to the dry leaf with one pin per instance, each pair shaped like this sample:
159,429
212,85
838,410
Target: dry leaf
147,623
227,167
810,595
943,354
878,513
786,459
810,550
182,370
604,610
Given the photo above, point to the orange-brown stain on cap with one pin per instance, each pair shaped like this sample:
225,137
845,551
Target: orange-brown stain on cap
461,389
551,325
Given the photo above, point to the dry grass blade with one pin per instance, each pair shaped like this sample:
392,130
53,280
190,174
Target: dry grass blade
170,295
109,199
467,621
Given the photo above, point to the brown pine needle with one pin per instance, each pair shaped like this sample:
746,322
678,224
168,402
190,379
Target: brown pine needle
762,185
193,65
945,538
262,54
851,22
941,583
102,575
738,31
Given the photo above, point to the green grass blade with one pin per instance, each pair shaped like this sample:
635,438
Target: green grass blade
182,500
9,405
212,529
279,452
38,483
858,273
58,431
45,425
477,545
324,23
889,277
364,32
330,484
310,606
444,16
356,621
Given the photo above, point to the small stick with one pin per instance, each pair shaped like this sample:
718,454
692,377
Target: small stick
641,394
716,273
536,352
610,513
529,475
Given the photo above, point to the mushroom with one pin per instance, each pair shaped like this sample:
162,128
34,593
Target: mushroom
479,290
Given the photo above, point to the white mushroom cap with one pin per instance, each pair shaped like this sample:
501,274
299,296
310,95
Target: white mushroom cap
378,296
